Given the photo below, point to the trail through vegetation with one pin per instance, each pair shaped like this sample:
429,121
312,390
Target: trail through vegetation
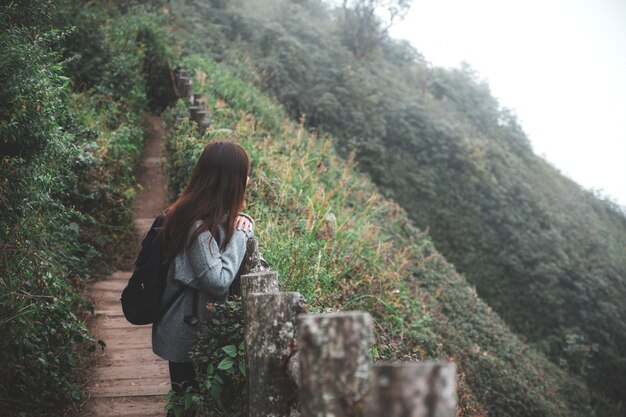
128,378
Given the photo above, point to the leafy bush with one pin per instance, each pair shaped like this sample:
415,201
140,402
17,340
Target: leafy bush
66,177
219,360
32,91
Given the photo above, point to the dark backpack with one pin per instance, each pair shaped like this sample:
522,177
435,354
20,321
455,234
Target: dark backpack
141,299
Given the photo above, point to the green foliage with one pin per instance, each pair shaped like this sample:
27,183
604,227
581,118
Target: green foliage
546,255
32,91
367,255
219,360
119,55
66,177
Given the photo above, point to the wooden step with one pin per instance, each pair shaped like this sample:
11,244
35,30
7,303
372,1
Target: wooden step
138,406
156,370
128,379
136,387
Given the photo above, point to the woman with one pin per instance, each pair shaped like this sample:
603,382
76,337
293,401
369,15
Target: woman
205,236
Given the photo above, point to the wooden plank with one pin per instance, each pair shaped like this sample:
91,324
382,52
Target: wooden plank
120,357
127,344
115,276
106,295
109,284
115,322
113,305
128,333
131,371
124,275
126,407
108,313
130,388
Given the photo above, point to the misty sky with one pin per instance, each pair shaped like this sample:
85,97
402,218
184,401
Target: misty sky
560,64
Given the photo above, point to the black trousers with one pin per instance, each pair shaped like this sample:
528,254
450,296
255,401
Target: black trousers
182,376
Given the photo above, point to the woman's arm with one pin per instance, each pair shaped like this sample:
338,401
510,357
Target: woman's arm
214,271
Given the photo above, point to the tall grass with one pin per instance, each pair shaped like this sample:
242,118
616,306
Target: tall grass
333,237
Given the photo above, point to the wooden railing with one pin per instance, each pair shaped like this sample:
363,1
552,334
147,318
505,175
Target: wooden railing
320,364
197,109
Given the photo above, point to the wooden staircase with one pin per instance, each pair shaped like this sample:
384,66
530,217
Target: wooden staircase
128,379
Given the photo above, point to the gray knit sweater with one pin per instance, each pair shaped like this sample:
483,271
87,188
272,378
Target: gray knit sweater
210,272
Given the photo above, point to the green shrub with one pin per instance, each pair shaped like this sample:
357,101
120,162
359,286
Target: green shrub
219,360
66,191
31,93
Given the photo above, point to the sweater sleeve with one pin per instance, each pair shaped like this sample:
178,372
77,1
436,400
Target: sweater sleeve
213,271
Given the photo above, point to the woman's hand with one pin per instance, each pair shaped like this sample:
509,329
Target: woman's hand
243,223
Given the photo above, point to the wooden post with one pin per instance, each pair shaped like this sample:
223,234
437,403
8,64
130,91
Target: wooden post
253,261
422,389
182,82
270,326
204,120
185,87
193,113
197,101
259,282
335,360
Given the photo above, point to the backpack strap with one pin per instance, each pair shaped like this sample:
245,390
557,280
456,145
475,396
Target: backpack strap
158,222
172,299
193,319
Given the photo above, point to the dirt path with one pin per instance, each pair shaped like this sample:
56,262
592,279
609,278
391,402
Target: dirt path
129,380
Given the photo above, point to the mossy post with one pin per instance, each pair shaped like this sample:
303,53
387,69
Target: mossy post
185,85
203,120
198,101
201,117
335,360
270,332
193,113
259,282
422,389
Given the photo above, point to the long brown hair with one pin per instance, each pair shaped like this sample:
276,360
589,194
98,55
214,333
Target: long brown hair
216,189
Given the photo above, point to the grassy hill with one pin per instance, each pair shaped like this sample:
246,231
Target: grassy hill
544,255
374,261
548,256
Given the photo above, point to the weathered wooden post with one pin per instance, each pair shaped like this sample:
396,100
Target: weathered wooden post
182,79
204,120
335,360
197,101
270,331
259,282
421,389
201,117
252,262
185,87
193,114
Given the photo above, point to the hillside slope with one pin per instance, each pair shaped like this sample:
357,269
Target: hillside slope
547,255
369,257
